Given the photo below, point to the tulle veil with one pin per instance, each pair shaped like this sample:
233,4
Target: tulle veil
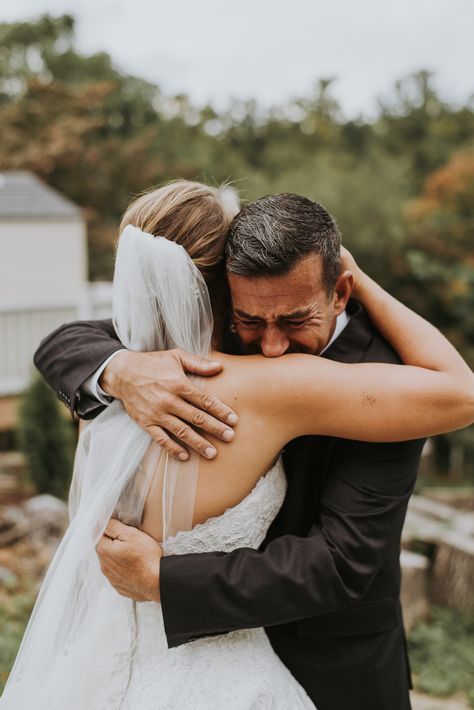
80,623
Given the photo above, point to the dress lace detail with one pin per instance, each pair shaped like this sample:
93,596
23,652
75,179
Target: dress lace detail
244,525
235,671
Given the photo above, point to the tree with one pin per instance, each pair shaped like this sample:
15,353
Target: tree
46,439
440,256
439,274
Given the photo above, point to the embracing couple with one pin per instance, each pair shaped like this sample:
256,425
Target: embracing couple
235,521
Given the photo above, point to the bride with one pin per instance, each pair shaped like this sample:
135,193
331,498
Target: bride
88,647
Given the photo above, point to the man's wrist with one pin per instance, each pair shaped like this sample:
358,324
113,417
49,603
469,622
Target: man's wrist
110,379
155,595
157,587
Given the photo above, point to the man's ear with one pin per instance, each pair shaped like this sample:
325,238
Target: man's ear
343,291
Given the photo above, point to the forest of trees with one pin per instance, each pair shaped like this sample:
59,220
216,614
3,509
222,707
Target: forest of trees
401,185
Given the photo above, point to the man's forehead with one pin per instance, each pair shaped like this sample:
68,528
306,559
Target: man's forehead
258,302
296,291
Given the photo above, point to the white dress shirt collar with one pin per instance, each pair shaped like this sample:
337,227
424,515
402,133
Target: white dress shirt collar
341,321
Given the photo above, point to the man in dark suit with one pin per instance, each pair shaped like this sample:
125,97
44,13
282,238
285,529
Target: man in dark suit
326,581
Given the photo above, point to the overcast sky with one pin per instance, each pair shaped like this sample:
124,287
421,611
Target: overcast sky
273,50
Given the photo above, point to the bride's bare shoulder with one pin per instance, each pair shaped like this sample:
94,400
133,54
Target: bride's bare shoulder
242,371
254,378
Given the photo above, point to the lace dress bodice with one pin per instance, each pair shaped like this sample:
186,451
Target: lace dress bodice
244,525
236,671
130,666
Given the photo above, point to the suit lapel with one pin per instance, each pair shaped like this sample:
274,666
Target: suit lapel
308,459
355,338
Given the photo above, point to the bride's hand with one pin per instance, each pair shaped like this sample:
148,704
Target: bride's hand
348,263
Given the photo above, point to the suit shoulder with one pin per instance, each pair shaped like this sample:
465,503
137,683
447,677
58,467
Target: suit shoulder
379,349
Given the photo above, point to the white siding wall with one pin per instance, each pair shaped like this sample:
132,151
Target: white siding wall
42,263
43,283
22,329
20,334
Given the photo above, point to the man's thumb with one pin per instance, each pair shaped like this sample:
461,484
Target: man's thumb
199,365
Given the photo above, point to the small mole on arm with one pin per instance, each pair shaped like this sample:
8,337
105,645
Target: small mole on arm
368,399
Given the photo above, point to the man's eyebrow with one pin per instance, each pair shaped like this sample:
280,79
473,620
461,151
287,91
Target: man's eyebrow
243,314
302,313
296,314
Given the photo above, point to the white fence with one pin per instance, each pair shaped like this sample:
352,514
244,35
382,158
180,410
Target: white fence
22,329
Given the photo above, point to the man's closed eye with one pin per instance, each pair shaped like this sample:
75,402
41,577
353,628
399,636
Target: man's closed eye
253,324
294,323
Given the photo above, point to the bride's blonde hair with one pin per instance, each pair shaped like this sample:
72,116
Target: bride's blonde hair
192,214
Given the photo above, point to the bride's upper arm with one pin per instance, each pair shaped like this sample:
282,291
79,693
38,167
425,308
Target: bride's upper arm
292,392
298,394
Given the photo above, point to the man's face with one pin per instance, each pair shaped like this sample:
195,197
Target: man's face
290,313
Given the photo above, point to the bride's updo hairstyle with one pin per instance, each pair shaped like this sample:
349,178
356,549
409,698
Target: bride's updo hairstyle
192,214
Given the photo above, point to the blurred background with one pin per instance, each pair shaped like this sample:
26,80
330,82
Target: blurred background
367,108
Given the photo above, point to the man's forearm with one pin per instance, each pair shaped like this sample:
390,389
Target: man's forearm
70,355
292,579
360,519
254,588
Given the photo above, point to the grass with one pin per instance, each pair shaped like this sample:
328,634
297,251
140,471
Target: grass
15,611
442,655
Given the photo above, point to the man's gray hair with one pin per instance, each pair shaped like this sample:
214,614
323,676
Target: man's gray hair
269,236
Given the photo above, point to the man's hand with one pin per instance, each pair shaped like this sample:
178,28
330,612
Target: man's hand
130,559
157,394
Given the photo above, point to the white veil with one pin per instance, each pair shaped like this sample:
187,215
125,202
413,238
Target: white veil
80,623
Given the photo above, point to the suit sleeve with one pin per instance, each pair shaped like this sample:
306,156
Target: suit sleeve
70,354
360,517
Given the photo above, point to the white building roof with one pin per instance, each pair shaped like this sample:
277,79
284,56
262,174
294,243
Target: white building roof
24,196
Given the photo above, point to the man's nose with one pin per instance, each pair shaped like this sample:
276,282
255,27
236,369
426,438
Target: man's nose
274,342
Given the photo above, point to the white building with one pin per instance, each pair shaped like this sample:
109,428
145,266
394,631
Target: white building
43,276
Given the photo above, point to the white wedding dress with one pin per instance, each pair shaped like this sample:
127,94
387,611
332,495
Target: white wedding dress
87,647
235,671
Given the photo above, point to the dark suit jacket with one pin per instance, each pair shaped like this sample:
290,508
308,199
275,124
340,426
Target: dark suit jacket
326,580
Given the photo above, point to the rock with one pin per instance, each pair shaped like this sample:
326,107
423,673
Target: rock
448,537
46,507
432,508
42,516
11,515
7,578
414,593
453,573
14,525
12,463
426,702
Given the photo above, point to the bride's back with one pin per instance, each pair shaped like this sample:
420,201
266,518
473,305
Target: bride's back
161,301
226,480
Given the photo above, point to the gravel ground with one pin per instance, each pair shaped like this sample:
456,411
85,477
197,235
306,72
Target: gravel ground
425,702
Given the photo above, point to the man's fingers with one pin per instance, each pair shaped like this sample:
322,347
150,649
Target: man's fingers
104,548
114,528
186,434
167,443
200,419
212,405
208,403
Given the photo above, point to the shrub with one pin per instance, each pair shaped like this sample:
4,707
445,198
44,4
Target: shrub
14,614
442,654
46,439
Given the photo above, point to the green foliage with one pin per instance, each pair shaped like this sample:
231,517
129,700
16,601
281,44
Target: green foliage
401,185
14,614
46,439
442,655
